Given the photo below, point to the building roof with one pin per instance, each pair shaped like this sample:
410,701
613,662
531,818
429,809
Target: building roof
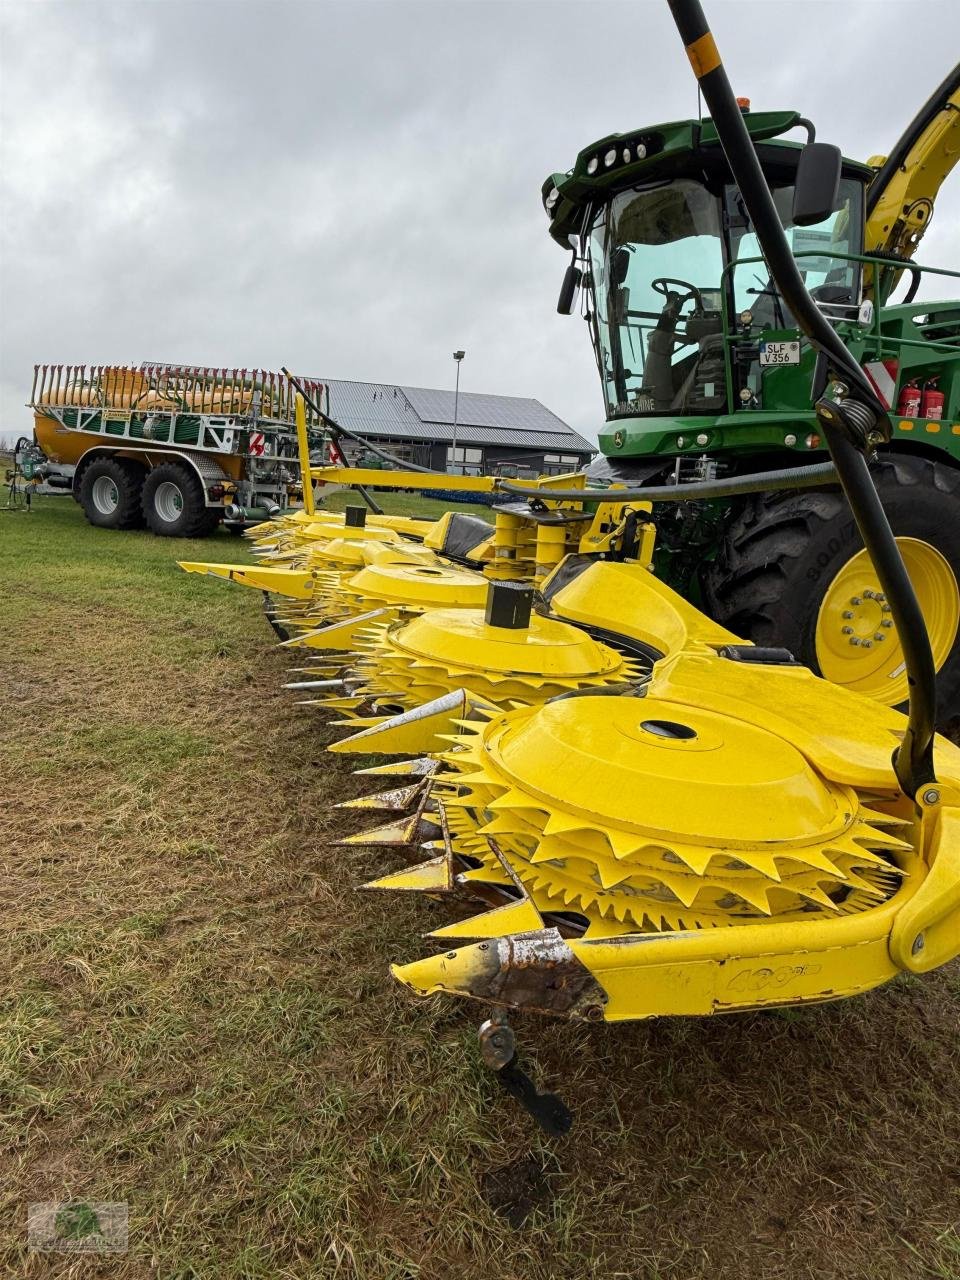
387,411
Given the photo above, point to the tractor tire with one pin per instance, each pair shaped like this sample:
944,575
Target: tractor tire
792,572
109,491
174,505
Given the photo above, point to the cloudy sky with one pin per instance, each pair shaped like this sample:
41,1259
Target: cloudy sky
353,188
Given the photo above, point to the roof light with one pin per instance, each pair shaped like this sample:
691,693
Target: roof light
743,104
626,155
641,151
610,158
552,198
812,441
592,164
746,319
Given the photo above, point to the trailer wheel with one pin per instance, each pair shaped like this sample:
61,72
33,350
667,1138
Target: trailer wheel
792,572
109,492
173,503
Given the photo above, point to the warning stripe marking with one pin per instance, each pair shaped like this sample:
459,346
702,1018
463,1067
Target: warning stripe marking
882,376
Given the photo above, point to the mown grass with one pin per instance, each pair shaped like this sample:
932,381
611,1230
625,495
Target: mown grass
196,1018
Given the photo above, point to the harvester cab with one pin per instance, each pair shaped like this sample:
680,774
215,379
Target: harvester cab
706,372
671,265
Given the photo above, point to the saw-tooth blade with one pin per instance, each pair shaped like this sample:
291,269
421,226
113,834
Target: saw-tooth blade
395,800
434,876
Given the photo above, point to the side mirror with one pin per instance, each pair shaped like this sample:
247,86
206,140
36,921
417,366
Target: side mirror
619,266
817,184
570,289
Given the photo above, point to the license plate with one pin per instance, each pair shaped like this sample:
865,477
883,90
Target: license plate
779,352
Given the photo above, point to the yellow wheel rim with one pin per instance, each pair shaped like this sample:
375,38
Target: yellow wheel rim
857,644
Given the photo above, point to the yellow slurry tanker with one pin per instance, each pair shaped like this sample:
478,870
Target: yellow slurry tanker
178,448
629,810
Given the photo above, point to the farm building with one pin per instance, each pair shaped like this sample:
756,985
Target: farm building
504,435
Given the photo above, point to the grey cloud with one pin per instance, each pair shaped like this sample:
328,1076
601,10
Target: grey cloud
353,189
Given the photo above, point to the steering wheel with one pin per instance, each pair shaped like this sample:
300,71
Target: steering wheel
686,291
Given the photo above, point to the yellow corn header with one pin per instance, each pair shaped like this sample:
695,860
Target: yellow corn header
623,810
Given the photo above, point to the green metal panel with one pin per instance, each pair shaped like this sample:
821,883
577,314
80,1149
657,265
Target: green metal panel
747,431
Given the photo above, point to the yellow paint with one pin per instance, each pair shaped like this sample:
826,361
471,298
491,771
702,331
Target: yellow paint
303,449
67,446
902,213
760,857
933,912
626,598
403,479
295,583
421,658
875,666
726,835
703,55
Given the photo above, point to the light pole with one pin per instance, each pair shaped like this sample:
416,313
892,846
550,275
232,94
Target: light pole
458,356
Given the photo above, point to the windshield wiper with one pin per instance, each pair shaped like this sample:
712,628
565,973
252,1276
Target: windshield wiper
765,291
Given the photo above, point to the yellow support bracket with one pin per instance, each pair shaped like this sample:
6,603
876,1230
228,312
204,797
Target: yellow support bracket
303,448
402,479
433,480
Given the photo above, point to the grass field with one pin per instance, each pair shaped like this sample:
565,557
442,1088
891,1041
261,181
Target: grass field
197,1017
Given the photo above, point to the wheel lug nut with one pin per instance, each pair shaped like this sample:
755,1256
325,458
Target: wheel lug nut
886,608
879,636
854,641
868,595
848,613
868,644
886,622
846,631
855,600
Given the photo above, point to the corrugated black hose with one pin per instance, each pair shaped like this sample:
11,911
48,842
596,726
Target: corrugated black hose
848,424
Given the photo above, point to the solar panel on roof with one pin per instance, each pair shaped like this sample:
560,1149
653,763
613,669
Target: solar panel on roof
386,410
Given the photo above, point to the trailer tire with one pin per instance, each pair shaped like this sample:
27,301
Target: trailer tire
109,490
785,576
174,504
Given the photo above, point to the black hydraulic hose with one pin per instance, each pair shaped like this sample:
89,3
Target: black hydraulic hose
334,428
811,477
913,760
788,478
745,167
337,430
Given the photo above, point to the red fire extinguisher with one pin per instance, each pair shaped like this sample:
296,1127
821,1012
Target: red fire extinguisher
908,406
931,404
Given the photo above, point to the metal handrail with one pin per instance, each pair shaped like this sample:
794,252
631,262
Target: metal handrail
869,260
